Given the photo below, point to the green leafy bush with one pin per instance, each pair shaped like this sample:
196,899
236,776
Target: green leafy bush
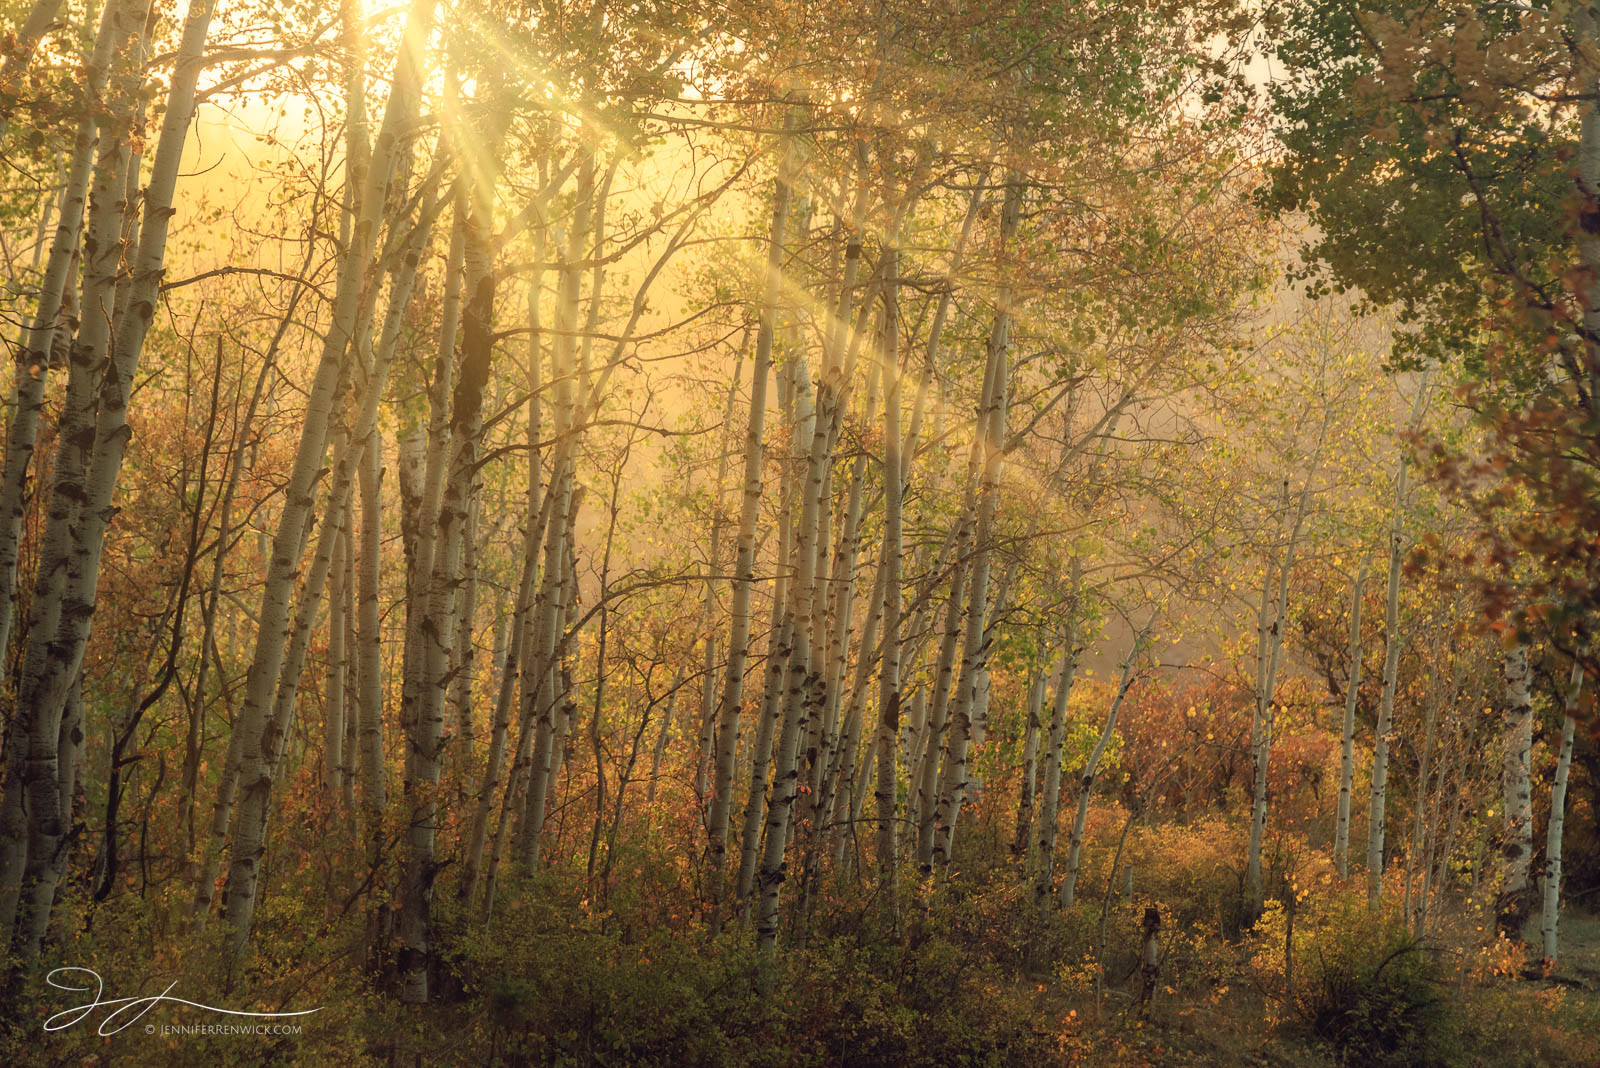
1375,994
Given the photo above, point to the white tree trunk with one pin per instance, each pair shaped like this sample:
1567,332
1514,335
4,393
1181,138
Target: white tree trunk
283,651
1022,844
1391,667
118,23
1516,771
55,656
1558,814
989,442
1050,788
745,554
889,673
427,736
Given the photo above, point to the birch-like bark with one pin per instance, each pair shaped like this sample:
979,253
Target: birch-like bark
1050,788
519,655
55,654
463,647
1558,815
389,148
938,711
34,358
1516,773
265,735
112,44
338,663
352,685
1347,735
799,681
204,866
779,646
542,694
709,706
483,807
369,651
1415,858
421,476
889,672
744,554
1022,844
848,789
989,442
823,782
427,737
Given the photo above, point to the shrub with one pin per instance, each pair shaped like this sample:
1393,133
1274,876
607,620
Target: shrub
1374,993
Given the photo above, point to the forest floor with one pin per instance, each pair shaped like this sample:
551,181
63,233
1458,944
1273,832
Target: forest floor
975,976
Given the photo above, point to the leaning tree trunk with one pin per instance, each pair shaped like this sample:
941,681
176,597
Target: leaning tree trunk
55,654
1069,884
112,44
33,361
267,711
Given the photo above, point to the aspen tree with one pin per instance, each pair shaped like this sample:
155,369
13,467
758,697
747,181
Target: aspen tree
744,560
989,441
799,684
1558,812
519,639
1050,787
55,654
34,358
1022,843
1391,666
1516,788
266,733
848,792
333,701
889,671
545,680
1269,658
102,119
427,737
